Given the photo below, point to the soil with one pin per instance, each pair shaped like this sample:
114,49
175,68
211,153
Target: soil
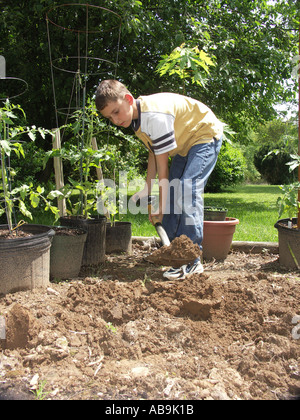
181,251
5,234
64,231
119,332
294,226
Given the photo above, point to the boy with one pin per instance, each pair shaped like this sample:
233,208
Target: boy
170,125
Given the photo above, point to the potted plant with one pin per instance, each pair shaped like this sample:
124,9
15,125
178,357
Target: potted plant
289,228
118,232
82,194
215,213
24,248
94,225
85,209
66,252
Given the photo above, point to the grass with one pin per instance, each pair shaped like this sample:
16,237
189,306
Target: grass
253,205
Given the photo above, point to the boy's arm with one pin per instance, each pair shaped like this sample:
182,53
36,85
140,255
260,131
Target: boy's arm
156,165
151,173
151,176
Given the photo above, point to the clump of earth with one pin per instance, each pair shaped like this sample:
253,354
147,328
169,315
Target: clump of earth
120,332
181,251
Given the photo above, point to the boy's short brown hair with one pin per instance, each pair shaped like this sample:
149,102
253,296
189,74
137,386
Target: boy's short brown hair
109,91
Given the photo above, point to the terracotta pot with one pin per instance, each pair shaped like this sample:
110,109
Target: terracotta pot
217,238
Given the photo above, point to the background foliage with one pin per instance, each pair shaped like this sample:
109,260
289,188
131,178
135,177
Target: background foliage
251,44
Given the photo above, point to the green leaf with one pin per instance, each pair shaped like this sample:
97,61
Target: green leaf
32,135
5,145
23,210
55,194
34,200
24,189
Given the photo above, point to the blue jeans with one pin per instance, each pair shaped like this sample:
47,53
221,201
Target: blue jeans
187,179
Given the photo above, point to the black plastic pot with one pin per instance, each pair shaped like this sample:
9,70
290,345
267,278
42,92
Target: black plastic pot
25,261
66,252
119,238
94,249
289,244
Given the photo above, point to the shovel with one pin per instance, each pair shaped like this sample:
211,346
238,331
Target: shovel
158,226
169,254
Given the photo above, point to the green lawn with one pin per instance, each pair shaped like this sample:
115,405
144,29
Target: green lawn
253,205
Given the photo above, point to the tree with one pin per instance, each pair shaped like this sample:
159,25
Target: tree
275,142
251,43
186,63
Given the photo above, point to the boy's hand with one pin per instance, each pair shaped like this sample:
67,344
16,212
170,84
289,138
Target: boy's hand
156,218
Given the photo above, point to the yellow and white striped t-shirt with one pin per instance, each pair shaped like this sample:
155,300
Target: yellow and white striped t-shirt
173,123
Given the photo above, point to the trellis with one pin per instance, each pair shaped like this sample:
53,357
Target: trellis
77,63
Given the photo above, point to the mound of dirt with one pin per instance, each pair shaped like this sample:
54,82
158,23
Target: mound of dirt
21,327
181,251
119,332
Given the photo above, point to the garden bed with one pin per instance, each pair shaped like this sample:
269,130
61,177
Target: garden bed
120,332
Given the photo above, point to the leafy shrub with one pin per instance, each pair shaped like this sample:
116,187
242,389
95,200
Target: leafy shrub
28,169
230,169
273,166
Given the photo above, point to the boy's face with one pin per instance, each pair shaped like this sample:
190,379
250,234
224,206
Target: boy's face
120,112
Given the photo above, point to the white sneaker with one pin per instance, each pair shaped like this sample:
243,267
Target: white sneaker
184,271
175,273
195,268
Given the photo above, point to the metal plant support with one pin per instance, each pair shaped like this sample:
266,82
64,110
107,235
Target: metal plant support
13,79
73,30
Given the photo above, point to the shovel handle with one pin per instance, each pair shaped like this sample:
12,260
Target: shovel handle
162,234
156,221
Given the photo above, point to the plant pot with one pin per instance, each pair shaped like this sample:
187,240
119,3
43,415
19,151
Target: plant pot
217,238
289,244
215,214
25,261
66,252
94,249
119,238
